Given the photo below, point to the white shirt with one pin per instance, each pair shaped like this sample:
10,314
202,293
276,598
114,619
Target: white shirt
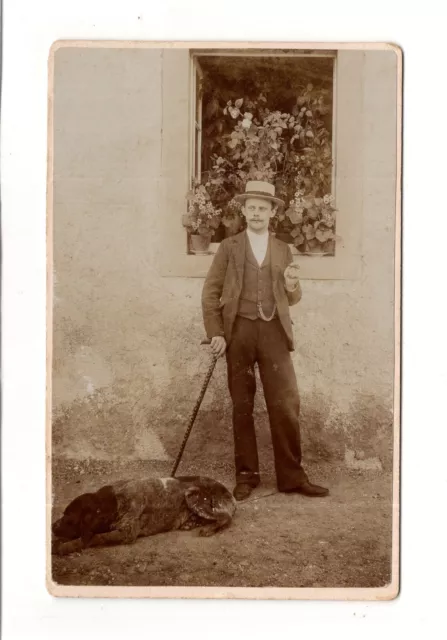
259,243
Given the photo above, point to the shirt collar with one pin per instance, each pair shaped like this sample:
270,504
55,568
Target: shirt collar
259,238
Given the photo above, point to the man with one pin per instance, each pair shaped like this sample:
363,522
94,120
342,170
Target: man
245,301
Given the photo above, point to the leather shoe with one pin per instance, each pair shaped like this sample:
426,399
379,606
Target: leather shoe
310,490
242,491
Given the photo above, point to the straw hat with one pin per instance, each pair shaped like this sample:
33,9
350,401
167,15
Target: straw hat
259,189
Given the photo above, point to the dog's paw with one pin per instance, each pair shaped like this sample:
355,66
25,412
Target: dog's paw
56,546
59,548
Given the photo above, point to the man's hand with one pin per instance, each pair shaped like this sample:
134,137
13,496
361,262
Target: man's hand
291,276
218,346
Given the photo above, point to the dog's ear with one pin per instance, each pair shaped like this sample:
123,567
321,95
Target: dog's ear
87,524
106,505
106,498
82,510
200,502
99,514
77,506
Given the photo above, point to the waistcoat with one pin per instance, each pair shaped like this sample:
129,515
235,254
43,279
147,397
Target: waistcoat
257,286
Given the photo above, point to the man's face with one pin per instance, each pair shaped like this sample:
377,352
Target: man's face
258,212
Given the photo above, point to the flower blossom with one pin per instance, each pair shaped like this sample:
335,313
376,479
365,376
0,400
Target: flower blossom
246,122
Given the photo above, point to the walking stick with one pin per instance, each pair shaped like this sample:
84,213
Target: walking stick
209,373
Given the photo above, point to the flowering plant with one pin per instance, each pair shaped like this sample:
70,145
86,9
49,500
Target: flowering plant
203,218
218,188
309,220
290,149
234,111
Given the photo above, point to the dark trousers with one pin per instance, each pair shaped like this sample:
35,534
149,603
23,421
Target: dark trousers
265,343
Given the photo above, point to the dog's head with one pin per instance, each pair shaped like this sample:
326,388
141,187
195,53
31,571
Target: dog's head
208,498
86,515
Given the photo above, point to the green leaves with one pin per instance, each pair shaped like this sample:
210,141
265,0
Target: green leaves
308,231
214,223
323,235
298,239
294,216
203,230
259,141
296,232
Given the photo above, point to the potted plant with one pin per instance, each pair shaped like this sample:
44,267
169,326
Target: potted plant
202,219
310,221
319,228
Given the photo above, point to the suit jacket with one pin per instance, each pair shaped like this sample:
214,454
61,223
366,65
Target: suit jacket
223,285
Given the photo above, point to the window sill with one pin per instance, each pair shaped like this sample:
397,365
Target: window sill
342,266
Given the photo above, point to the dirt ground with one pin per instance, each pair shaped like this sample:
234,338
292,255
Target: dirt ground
343,540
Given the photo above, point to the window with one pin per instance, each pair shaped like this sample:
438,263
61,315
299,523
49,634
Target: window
181,95
267,115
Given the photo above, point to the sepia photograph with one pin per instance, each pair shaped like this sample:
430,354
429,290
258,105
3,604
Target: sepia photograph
223,320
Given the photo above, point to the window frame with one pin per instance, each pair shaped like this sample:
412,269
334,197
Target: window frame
351,184
196,127
195,168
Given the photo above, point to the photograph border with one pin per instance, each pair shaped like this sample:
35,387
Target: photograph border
389,592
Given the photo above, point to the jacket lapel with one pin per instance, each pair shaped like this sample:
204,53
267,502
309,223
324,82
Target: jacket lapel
276,250
239,255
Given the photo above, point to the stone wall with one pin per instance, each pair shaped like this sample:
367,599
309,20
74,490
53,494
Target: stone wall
126,358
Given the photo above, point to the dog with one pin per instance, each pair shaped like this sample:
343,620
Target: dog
123,511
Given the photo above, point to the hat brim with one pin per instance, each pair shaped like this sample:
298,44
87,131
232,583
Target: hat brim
263,196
